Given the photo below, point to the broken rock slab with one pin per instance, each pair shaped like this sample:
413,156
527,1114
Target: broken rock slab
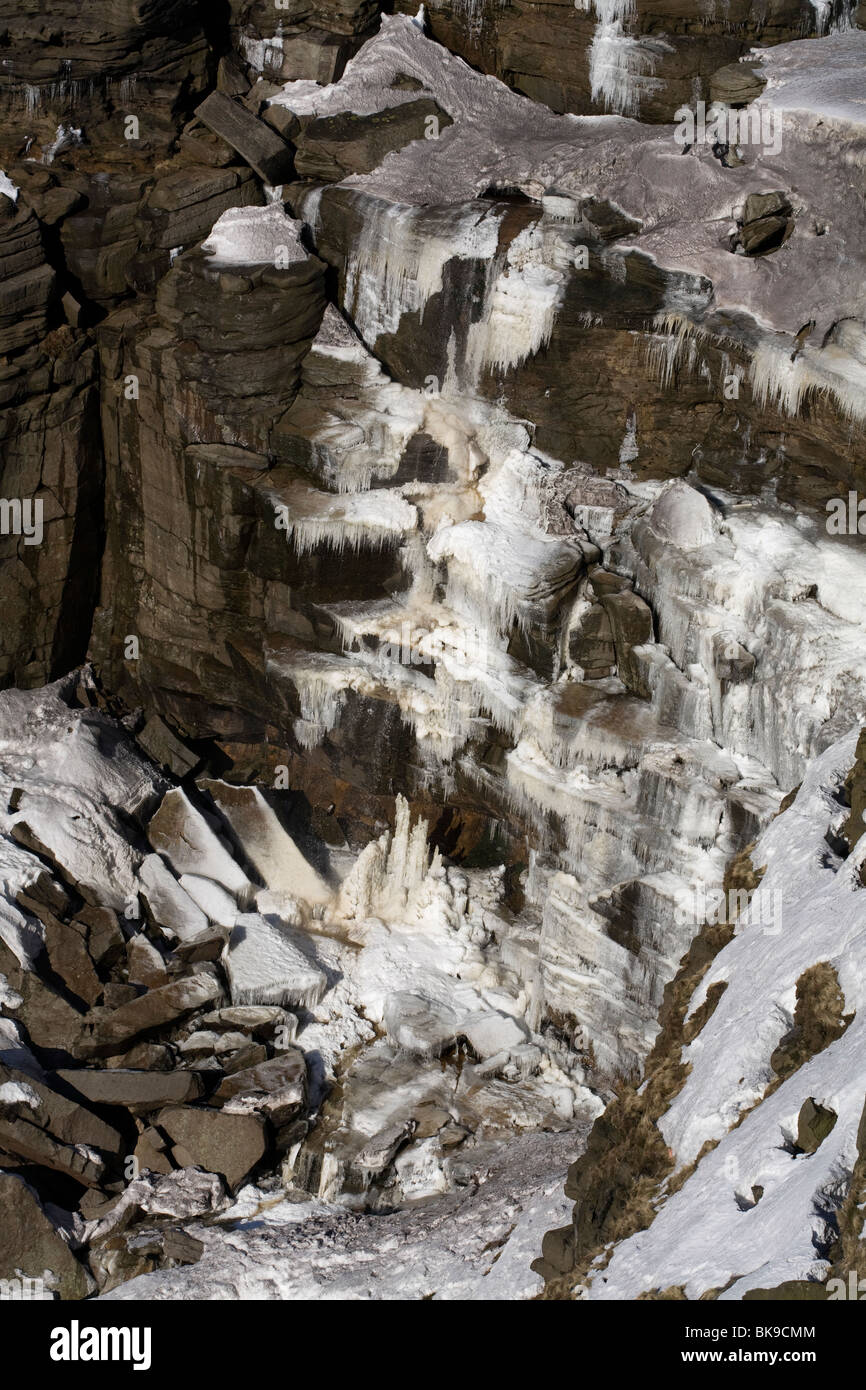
172,909
145,966
138,1091
269,848
215,1140
333,146
276,1088
379,1152
104,939
261,1020
29,1144
153,1010
180,832
165,748
256,143
67,950
35,1100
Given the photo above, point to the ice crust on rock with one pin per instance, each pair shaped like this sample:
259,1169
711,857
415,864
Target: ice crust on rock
265,967
181,833
255,236
498,139
683,516
73,773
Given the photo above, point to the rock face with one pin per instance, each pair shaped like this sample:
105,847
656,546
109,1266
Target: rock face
483,311
645,58
51,474
442,482
95,61
305,40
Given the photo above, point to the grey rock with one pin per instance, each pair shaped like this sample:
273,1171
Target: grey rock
138,1091
161,744
218,1142
255,142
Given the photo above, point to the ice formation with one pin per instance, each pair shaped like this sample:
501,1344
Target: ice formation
620,66
265,967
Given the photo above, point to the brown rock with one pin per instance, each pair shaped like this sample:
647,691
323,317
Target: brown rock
33,1145
158,741
138,1091
230,1145
631,622
276,1088
66,1120
70,958
151,1152
145,965
254,141
144,1057
333,146
105,940
32,1244
154,1010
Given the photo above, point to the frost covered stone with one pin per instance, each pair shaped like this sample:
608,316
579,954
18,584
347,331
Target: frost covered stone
683,516
255,236
264,967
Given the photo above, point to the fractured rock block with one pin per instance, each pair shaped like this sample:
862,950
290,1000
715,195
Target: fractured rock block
333,146
158,741
215,1140
183,836
172,909
256,143
145,966
264,967
183,206
34,1100
154,1010
276,1088
269,848
33,1145
631,623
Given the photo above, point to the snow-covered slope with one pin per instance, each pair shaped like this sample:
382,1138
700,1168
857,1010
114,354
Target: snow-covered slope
760,1208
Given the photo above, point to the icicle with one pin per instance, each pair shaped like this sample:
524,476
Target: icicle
397,261
620,67
519,308
389,872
